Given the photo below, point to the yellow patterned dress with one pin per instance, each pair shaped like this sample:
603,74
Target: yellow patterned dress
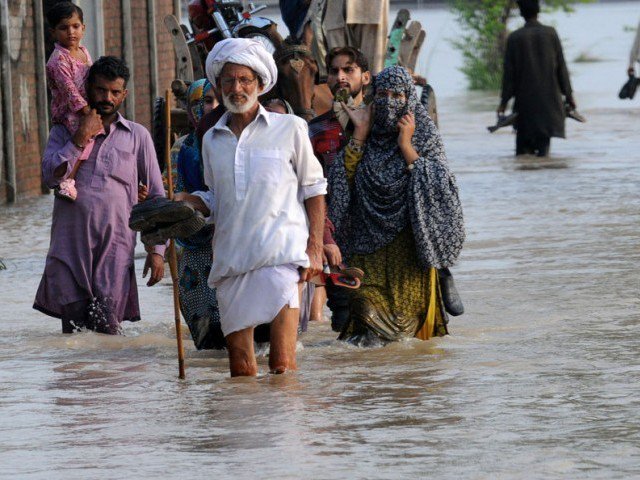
398,298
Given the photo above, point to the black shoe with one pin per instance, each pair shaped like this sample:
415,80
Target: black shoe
182,229
573,113
158,211
337,324
503,121
450,297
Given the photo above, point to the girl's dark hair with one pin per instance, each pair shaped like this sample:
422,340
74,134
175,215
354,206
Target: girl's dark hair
62,10
110,68
529,8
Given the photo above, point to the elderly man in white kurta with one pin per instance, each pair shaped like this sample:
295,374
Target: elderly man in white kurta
266,200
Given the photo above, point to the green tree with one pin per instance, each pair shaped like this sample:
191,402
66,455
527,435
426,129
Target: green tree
485,30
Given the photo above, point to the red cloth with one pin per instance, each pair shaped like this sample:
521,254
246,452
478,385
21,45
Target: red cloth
329,230
328,138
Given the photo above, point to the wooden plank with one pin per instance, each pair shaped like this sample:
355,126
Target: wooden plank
413,58
408,43
395,37
184,65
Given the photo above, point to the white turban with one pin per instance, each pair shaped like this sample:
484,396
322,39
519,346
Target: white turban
242,51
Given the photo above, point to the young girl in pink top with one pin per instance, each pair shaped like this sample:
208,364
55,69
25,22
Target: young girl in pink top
67,70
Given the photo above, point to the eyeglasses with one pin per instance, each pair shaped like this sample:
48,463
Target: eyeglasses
231,81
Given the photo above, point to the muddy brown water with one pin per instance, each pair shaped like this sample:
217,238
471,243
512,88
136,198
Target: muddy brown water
539,379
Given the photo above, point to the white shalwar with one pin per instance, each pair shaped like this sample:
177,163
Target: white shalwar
257,187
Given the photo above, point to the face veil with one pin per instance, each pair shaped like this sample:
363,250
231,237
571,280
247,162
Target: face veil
389,110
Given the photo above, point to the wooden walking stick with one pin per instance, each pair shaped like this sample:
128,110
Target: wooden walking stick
173,260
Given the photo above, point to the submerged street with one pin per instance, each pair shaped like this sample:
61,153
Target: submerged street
538,379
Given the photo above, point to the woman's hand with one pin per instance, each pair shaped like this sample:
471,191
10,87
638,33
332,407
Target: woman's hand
361,119
332,254
406,126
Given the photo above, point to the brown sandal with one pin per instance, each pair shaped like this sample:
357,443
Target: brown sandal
338,279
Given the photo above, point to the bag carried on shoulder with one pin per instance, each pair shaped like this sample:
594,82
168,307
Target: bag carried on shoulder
628,90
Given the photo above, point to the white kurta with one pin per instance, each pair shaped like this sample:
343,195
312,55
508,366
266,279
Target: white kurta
259,184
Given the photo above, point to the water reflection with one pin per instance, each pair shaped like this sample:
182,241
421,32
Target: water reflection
531,162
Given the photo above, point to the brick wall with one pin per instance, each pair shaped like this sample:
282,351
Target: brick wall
25,114
112,12
141,72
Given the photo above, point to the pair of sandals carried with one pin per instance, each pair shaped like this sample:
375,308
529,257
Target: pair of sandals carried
160,219
340,276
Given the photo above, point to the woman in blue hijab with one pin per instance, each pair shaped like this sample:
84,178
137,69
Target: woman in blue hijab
198,302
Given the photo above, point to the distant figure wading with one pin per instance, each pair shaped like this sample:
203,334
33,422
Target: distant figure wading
535,74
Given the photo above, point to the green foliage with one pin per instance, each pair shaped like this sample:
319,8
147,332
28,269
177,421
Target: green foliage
485,30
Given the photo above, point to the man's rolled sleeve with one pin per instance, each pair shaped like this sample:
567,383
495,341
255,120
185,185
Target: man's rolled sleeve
208,199
319,188
159,249
308,169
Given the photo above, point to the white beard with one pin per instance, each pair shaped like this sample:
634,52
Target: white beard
252,99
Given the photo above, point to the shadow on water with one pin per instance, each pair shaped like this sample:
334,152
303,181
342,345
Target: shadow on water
532,162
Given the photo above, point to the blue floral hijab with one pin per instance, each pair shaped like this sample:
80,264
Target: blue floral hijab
189,163
190,170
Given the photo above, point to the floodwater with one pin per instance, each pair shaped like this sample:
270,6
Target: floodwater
539,379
